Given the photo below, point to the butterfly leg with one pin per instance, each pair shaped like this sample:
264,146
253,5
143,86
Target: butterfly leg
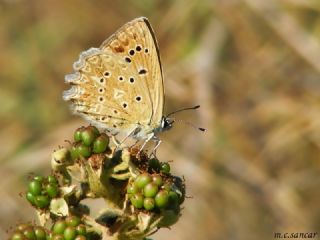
115,140
135,143
157,144
145,142
125,138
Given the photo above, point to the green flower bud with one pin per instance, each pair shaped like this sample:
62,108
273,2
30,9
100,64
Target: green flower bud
42,201
59,227
40,233
165,168
94,130
77,134
17,236
52,179
154,164
52,190
30,198
173,199
157,179
101,143
35,188
84,151
150,190
132,189
81,229
29,233
137,200
162,199
88,136
38,178
149,203
142,180
170,217
70,233
73,221
74,152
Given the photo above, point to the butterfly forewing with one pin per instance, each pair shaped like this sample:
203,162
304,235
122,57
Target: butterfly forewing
119,86
136,44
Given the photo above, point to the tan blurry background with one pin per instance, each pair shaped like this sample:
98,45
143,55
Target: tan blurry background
252,65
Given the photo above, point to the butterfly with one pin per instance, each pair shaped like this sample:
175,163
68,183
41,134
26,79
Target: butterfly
119,86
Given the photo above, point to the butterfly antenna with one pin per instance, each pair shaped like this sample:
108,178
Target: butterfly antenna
191,125
183,109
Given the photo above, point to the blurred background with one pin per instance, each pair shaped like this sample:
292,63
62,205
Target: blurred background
252,65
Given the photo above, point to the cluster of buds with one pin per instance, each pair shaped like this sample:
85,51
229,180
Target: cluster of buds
42,190
69,228
140,193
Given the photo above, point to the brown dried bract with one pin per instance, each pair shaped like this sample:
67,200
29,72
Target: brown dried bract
96,160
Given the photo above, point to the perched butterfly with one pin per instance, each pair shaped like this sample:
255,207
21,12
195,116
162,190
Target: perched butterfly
119,86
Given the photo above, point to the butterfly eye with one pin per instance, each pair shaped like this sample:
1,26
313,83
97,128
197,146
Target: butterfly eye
115,111
120,78
107,74
131,80
100,90
138,48
146,50
138,98
124,105
131,52
128,60
101,99
101,80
